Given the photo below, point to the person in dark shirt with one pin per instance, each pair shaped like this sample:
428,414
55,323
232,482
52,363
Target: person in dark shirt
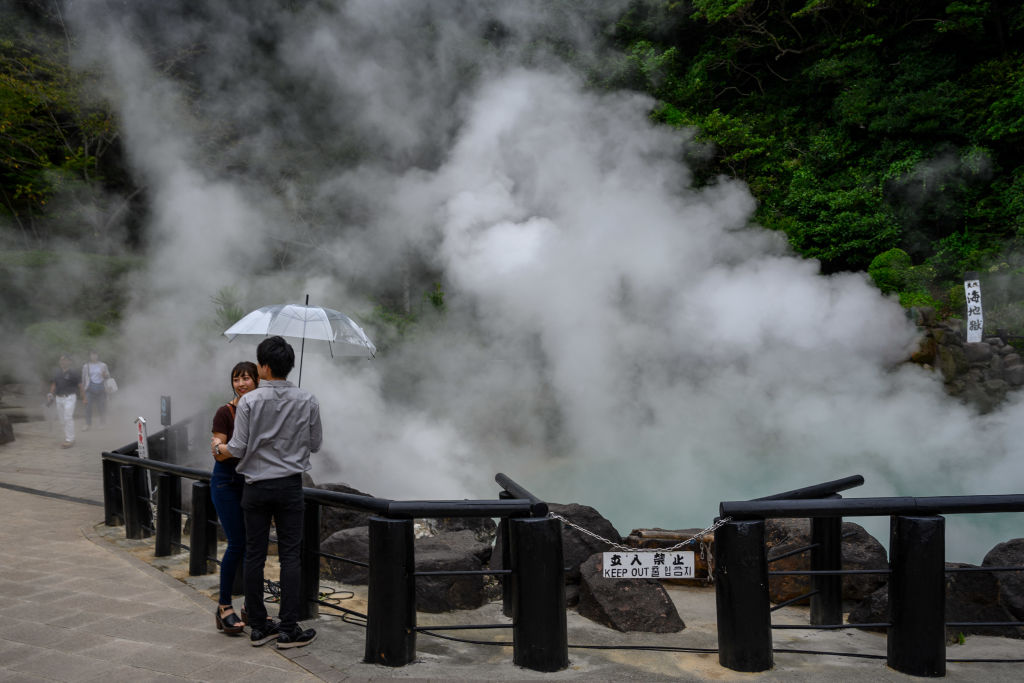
64,389
226,487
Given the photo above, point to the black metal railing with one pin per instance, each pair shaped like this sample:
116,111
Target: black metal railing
916,574
532,578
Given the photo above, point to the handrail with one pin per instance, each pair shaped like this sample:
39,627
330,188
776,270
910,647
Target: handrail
158,466
538,508
395,509
868,507
819,490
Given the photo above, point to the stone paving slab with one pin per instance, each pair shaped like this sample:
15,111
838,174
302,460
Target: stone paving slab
79,602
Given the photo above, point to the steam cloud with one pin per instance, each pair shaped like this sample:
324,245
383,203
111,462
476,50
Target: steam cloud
613,336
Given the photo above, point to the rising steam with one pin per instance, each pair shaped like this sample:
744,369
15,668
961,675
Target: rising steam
613,336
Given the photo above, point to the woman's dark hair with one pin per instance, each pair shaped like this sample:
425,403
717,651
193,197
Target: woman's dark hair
246,368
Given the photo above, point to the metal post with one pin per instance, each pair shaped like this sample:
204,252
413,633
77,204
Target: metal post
827,554
129,496
507,584
164,515
203,533
741,597
113,512
391,605
917,585
309,582
540,634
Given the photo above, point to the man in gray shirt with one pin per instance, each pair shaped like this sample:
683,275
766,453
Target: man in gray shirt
277,426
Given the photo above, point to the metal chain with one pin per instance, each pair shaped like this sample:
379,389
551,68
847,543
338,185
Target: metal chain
618,546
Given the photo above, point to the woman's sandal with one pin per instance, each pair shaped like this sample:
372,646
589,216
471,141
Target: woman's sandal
229,622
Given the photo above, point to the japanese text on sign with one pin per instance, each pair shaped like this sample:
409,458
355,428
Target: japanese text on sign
667,565
975,321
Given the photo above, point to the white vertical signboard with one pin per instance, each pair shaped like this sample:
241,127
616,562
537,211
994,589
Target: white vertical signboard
143,441
975,322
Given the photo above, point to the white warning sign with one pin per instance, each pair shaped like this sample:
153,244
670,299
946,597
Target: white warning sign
677,564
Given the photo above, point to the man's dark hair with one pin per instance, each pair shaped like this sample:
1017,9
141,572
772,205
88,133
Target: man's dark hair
276,354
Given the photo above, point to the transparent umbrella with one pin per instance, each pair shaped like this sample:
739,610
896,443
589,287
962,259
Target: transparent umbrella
342,335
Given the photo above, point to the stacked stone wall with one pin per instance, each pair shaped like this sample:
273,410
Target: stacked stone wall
979,373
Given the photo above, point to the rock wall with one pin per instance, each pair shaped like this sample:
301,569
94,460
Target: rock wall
980,373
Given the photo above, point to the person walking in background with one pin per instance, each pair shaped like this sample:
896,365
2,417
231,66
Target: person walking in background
226,487
94,393
277,427
64,389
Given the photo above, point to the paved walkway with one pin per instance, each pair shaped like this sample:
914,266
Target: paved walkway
78,602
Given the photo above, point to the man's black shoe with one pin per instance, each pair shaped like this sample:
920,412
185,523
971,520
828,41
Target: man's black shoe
264,634
297,637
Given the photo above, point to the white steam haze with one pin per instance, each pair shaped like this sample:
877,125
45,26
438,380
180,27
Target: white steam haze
613,336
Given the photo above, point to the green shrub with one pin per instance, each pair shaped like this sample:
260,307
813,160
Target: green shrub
891,270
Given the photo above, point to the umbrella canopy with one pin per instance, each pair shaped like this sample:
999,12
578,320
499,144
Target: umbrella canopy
343,336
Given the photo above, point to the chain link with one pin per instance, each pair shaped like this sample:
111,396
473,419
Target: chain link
696,538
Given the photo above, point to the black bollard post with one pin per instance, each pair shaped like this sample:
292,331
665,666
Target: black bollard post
309,582
539,632
203,532
129,496
391,605
164,520
741,597
507,585
113,514
917,585
144,502
827,554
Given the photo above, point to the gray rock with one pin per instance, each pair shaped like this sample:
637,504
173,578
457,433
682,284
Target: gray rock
974,597
1011,584
450,551
576,546
625,604
860,550
1014,375
970,597
447,551
334,519
352,544
483,528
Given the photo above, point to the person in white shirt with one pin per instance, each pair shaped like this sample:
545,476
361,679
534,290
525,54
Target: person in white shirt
94,392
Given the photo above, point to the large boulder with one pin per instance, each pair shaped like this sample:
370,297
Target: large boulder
970,597
450,551
860,550
625,604
576,546
483,528
1011,584
352,544
334,519
447,551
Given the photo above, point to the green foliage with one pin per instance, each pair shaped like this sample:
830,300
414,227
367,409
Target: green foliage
49,138
394,325
435,297
228,308
890,270
874,135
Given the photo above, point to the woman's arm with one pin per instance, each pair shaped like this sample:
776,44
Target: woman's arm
220,439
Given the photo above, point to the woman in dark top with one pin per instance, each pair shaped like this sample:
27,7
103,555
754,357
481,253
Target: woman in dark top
226,490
